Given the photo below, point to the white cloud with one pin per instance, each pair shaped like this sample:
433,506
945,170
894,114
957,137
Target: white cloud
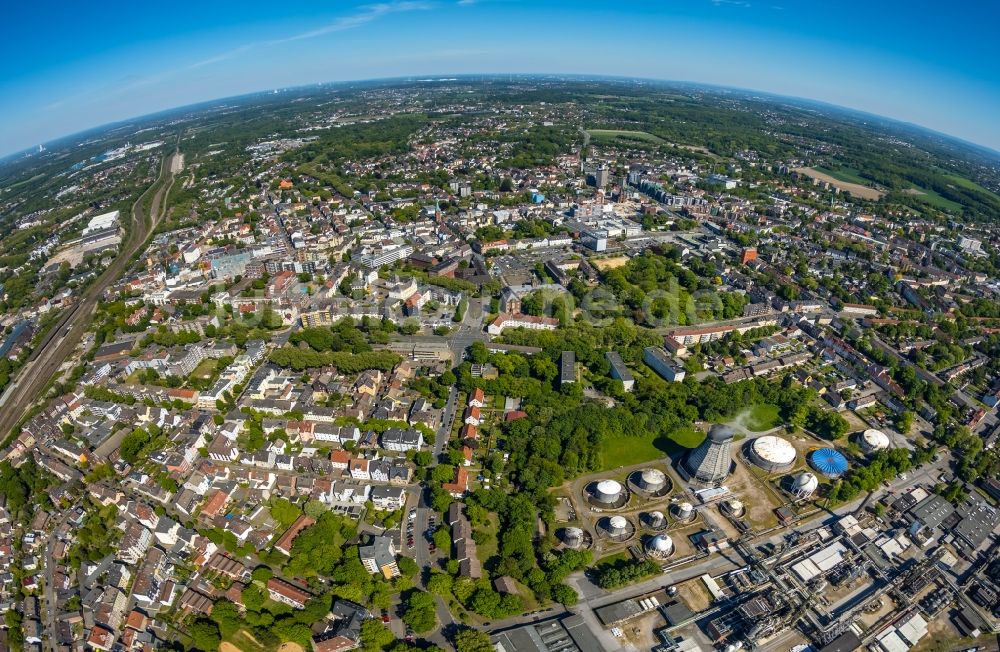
367,14
364,15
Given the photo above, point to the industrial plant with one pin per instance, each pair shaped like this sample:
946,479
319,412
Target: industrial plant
772,453
712,461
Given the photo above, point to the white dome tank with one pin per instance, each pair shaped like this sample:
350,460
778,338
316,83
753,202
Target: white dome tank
805,484
874,440
661,545
734,507
652,480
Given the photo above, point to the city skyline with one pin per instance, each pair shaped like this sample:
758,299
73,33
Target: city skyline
110,68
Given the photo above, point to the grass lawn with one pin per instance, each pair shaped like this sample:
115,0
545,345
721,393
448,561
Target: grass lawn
626,451
937,201
687,437
966,183
848,175
247,643
205,368
488,548
611,560
763,416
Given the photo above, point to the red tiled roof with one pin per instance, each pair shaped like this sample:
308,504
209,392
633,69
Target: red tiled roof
284,544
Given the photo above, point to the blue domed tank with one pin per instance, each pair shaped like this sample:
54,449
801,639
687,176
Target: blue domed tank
829,462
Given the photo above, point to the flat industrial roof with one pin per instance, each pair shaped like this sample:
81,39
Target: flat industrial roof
569,634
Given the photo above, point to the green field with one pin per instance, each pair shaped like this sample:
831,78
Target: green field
611,560
971,185
488,547
763,416
608,135
205,368
937,201
847,175
626,451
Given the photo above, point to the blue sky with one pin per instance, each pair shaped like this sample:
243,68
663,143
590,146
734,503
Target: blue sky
68,66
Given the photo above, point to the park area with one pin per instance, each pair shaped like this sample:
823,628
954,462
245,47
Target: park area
243,641
626,451
761,417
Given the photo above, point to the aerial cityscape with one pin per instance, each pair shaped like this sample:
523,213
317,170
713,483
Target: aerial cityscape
516,362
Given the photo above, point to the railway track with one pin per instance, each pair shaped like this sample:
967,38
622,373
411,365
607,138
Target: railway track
64,336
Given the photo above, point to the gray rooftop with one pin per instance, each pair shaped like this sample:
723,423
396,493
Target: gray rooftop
569,634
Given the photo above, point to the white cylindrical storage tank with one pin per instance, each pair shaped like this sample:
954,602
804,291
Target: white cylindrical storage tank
733,507
608,491
660,546
805,484
656,519
617,525
684,511
651,480
874,440
772,453
573,537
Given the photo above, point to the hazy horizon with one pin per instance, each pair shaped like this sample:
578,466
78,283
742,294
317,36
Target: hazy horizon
442,77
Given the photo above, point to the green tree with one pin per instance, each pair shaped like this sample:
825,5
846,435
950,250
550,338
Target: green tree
253,597
262,574
204,635
564,594
375,636
439,583
442,538
407,567
227,617
472,640
419,612
284,512
478,353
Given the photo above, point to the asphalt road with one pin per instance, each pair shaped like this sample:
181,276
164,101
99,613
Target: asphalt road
447,423
66,334
469,330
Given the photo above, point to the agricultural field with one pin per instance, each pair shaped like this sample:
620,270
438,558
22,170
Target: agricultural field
847,175
856,189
